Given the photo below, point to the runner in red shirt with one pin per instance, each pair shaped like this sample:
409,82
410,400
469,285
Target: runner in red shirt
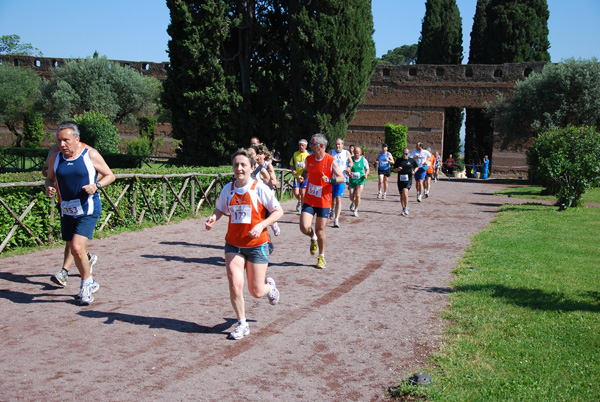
321,172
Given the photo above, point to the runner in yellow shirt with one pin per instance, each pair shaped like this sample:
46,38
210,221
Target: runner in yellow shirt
298,163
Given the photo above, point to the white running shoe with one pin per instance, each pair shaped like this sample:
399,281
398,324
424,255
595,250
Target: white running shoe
273,294
86,293
336,223
93,258
352,206
418,197
240,331
298,206
426,194
356,213
331,213
276,230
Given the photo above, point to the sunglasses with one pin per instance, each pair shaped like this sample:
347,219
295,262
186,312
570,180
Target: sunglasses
405,153
314,143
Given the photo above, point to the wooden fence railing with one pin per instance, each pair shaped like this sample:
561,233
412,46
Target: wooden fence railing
131,199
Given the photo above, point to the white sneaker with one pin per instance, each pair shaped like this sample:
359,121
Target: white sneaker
240,331
352,206
426,194
86,293
276,230
273,294
418,197
336,223
298,206
331,213
356,213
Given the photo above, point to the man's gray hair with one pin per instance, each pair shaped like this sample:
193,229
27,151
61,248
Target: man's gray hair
321,139
69,124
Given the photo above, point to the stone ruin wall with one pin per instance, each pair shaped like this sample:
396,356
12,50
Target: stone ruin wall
416,95
412,95
44,65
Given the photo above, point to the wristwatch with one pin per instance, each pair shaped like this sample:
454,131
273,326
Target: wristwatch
98,185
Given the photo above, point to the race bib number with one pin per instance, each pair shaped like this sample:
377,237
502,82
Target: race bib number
317,191
241,213
71,208
300,165
356,175
403,177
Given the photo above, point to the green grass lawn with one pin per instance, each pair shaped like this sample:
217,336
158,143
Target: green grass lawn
524,320
534,192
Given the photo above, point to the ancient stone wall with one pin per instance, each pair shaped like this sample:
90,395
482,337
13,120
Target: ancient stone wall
416,95
43,65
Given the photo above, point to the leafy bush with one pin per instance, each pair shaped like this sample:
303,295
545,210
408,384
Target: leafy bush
141,146
98,132
395,138
565,161
33,129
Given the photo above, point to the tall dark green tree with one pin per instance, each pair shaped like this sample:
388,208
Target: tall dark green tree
200,95
504,31
333,55
441,43
284,69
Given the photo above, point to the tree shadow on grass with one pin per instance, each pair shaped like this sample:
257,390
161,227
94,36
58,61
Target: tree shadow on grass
160,322
534,299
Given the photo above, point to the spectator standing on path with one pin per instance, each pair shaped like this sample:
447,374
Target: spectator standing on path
358,177
485,167
406,168
450,166
298,163
344,160
61,277
321,172
74,176
384,163
421,156
246,242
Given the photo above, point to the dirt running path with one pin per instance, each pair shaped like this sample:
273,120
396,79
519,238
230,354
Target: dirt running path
158,327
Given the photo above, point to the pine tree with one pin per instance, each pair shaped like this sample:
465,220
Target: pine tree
441,43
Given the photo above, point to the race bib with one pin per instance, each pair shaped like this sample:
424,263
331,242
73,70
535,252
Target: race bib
300,165
241,213
317,191
356,175
403,177
71,208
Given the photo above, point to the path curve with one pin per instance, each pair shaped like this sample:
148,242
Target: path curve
157,330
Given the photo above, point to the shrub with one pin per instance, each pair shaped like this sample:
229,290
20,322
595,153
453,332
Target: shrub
33,129
98,132
140,146
395,138
565,160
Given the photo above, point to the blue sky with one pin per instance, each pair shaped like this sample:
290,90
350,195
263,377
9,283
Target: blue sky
135,30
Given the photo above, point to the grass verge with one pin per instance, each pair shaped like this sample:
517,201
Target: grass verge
525,314
534,192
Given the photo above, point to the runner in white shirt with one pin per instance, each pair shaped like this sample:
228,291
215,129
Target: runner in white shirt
344,159
423,158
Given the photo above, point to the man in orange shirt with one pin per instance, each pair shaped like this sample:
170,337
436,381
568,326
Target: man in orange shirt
321,172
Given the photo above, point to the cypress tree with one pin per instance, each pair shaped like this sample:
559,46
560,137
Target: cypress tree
441,43
277,69
333,55
197,90
504,31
